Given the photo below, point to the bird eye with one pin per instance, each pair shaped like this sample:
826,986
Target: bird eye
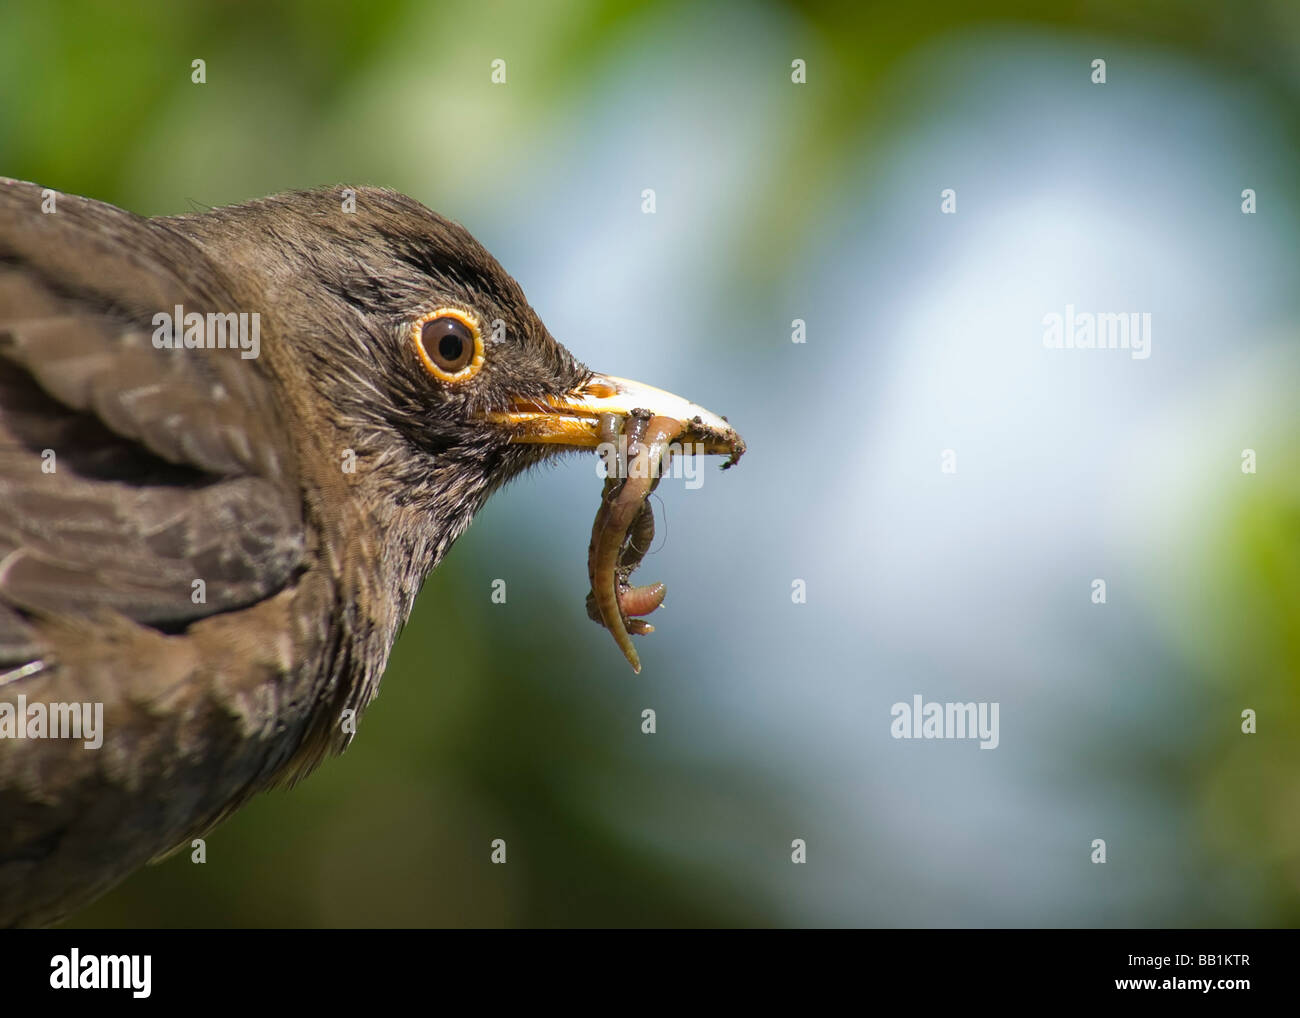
449,344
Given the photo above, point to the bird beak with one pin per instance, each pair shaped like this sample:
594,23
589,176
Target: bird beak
575,418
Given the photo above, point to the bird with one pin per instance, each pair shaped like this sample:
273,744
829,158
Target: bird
233,444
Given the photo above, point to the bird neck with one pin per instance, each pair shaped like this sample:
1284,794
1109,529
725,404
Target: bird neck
385,525
374,547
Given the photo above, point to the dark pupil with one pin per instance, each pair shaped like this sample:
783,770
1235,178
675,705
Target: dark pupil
450,347
448,342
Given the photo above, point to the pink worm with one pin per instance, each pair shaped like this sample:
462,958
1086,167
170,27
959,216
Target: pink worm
613,552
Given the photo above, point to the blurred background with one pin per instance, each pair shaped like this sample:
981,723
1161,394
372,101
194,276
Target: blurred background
777,201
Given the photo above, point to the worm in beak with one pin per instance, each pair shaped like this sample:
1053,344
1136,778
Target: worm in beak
640,426
624,528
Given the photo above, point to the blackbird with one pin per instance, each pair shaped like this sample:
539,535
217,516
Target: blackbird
232,446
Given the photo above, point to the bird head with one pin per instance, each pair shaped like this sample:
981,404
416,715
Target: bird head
396,335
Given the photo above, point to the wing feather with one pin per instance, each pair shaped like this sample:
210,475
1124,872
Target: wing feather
152,482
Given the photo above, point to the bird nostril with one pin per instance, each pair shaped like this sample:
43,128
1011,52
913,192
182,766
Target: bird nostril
597,389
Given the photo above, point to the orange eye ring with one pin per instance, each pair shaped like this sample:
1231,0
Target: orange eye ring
449,344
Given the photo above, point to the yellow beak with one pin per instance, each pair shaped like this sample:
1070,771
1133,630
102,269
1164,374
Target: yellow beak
574,419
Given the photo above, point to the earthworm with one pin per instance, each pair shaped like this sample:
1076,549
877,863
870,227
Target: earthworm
624,528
